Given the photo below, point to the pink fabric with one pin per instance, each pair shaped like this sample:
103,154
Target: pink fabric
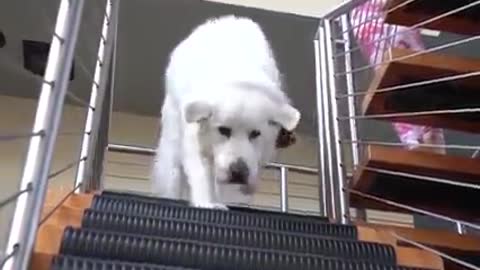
369,25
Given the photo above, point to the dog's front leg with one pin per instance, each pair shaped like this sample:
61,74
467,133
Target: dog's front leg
197,170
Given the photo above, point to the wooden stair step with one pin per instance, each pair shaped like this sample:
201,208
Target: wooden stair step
417,258
448,95
465,22
406,256
50,233
459,246
456,244
453,201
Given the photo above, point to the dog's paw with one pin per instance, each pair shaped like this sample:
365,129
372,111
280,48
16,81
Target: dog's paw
210,205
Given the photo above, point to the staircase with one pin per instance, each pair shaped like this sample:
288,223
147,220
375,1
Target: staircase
431,88
111,230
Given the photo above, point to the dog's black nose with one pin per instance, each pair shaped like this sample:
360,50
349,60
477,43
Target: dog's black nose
239,172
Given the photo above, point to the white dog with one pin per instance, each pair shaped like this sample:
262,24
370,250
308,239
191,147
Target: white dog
222,111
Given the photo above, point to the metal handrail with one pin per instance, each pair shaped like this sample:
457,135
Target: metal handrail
282,168
327,36
342,9
48,116
31,195
148,151
92,140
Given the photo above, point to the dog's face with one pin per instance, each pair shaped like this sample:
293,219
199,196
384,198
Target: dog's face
239,135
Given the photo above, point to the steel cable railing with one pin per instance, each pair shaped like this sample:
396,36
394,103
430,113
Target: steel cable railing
30,197
332,123
352,132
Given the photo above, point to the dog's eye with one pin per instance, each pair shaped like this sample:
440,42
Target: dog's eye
254,134
225,131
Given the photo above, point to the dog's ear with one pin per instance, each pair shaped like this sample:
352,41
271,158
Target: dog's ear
285,138
287,117
197,111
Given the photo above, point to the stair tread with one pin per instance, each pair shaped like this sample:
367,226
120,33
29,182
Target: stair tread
437,238
464,22
446,95
237,208
240,236
62,262
187,253
262,219
412,192
93,217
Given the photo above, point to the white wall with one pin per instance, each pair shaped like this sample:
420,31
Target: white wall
314,8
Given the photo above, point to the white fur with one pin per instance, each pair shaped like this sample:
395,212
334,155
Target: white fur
223,74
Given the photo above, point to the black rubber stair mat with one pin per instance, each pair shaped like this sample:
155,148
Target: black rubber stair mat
152,199
240,236
238,218
110,220
79,263
194,254
136,196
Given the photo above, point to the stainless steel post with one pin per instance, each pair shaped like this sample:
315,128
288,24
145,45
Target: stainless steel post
350,89
85,172
284,189
322,166
340,195
113,70
332,212
106,123
47,120
460,228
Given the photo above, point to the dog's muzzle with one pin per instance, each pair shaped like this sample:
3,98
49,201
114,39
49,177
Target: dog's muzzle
239,172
